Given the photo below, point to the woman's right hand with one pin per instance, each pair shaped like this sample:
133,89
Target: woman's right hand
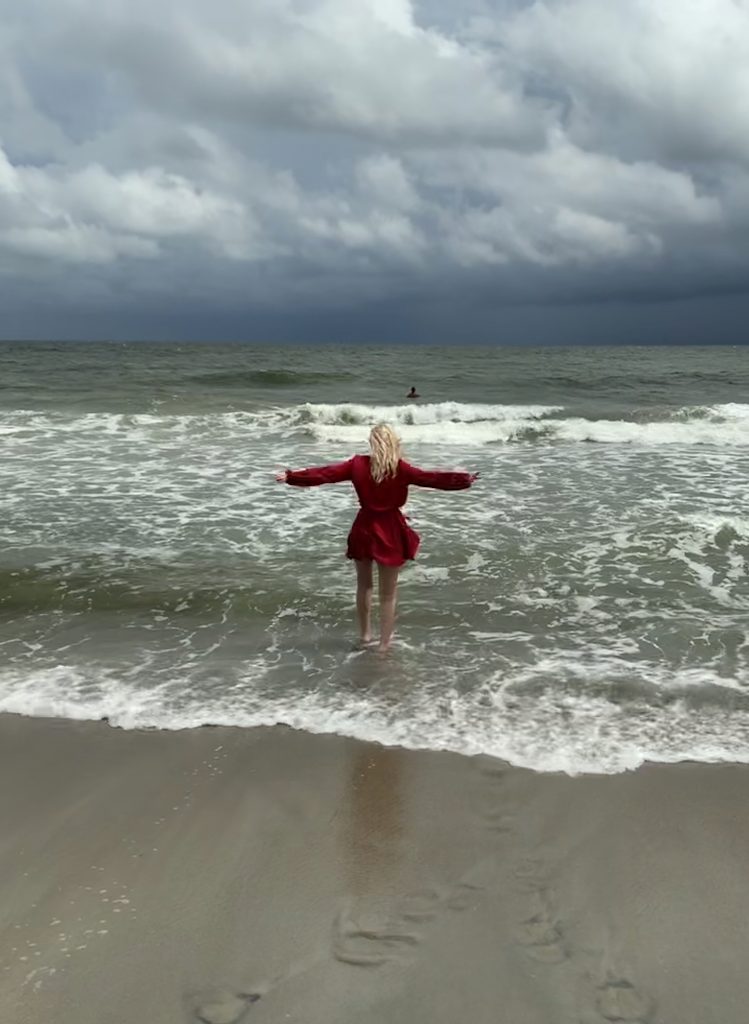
474,477
282,478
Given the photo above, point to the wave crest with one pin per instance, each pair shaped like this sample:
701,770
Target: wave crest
439,423
453,423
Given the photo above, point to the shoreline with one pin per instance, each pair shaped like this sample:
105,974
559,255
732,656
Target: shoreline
232,875
148,730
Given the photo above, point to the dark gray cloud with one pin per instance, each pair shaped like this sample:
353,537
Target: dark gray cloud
317,168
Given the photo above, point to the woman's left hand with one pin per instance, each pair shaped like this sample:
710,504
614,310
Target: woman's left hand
281,478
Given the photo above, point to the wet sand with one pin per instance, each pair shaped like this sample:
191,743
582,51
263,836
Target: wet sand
264,876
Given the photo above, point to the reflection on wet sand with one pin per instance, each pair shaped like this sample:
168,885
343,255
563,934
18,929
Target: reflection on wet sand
373,826
368,932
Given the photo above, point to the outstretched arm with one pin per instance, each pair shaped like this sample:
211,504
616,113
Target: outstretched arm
333,474
443,481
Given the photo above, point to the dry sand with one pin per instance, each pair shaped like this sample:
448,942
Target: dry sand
266,876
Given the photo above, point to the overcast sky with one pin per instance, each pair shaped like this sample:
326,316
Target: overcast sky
374,170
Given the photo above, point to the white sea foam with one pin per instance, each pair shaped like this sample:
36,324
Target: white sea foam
724,431
725,425
442,423
713,525
572,726
421,415
452,423
730,411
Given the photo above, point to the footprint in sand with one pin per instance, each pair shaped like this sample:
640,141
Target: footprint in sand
531,875
222,1007
463,896
370,947
617,999
541,935
497,820
424,906
373,946
495,813
421,906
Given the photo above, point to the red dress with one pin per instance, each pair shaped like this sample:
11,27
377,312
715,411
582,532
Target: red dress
380,530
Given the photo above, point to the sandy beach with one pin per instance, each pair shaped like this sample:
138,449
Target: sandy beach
225,875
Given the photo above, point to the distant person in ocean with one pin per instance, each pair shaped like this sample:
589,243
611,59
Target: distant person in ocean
412,394
380,532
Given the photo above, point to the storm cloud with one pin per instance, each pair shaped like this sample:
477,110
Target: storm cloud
297,169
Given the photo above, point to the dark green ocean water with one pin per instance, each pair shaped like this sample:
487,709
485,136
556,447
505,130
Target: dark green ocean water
583,608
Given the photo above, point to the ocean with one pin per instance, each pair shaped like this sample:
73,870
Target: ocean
583,608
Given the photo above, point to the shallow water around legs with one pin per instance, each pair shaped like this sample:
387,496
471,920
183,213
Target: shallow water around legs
583,607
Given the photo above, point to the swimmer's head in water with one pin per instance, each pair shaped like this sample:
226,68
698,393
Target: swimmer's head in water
385,452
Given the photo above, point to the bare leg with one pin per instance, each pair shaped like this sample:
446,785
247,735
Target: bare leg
364,599
388,578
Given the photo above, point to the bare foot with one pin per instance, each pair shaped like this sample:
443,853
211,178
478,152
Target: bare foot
383,648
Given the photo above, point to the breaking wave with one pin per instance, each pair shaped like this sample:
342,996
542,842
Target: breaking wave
442,423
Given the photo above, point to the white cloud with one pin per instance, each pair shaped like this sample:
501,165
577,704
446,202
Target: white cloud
502,235
383,178
668,77
91,213
362,68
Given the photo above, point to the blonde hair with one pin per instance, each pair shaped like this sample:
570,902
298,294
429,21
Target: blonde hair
385,449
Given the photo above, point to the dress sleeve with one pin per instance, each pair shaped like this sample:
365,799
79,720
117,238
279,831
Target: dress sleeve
333,474
443,481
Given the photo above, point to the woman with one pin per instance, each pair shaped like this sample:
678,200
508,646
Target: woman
380,532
